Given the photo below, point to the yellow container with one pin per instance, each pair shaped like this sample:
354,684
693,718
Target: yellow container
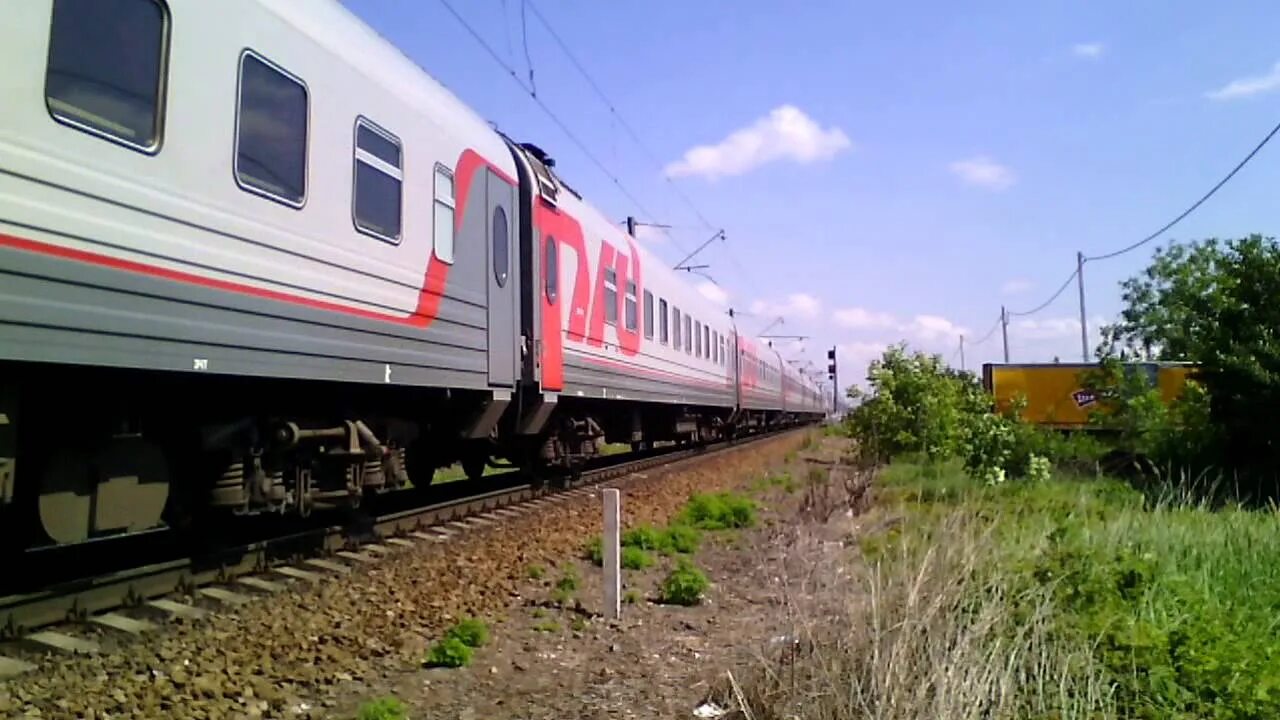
1054,392
1056,395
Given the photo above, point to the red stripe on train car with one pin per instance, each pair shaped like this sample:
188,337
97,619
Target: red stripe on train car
432,290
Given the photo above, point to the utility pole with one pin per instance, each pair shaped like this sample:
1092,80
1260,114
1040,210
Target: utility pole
962,353
1084,329
1004,331
835,384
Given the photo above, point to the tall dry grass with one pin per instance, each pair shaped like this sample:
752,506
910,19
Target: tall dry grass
914,625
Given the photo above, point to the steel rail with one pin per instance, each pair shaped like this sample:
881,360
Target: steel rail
80,600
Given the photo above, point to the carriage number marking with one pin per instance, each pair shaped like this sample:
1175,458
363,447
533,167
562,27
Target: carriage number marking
200,364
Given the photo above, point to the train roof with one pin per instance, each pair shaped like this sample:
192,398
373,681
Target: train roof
339,31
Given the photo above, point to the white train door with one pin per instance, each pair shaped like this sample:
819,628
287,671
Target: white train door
504,281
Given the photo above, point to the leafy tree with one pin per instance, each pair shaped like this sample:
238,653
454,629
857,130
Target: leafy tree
916,404
1214,303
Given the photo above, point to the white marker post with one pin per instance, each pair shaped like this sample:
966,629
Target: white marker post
612,569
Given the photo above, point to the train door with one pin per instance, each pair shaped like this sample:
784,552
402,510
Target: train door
504,291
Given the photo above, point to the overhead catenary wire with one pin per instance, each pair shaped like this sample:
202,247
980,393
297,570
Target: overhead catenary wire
1065,284
551,114
1188,211
614,110
635,137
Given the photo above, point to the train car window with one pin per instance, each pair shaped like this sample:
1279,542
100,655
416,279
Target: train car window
706,342
501,249
444,209
106,69
552,269
662,321
631,307
688,335
675,330
611,296
271,132
379,175
697,339
648,314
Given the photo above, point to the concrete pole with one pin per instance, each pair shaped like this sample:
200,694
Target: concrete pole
962,353
1004,331
1084,329
612,566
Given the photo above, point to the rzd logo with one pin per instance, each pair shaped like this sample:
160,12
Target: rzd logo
1084,398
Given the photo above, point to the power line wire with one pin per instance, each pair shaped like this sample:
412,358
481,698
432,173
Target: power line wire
988,334
1191,209
613,109
1065,284
555,118
635,136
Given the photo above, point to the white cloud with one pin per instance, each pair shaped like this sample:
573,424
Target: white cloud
1052,328
983,172
933,327
1015,286
714,292
1248,86
1047,329
859,352
859,318
786,133
796,305
1088,50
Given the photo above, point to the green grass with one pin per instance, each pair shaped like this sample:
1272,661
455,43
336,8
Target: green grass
615,449
633,558
781,480
387,708
1176,604
454,473
472,632
458,645
718,511
684,585
449,652
566,586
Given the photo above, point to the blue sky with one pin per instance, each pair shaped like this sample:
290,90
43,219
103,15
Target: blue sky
889,172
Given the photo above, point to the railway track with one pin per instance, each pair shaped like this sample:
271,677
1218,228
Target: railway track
137,600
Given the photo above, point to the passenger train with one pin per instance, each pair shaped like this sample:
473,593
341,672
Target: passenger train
253,259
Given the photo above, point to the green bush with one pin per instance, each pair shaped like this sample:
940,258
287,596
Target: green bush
594,551
718,511
449,652
633,558
684,585
916,405
681,539
566,586
387,708
470,631
643,537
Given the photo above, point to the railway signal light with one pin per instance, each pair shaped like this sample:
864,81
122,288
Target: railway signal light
831,366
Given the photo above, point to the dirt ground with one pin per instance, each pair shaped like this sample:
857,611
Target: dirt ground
557,657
